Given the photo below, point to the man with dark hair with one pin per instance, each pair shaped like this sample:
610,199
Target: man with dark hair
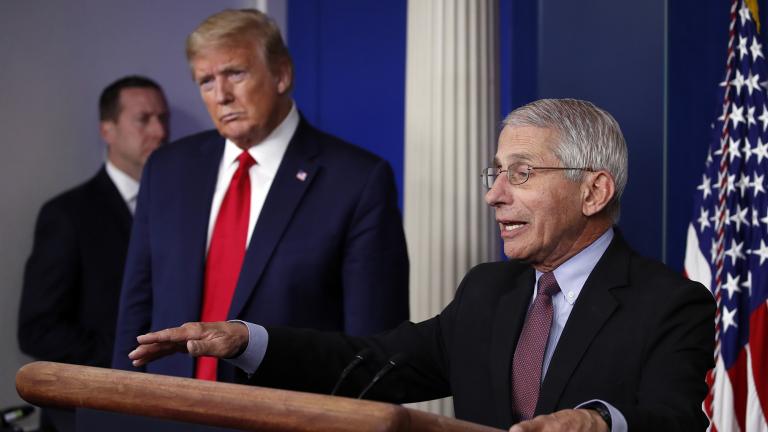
73,276
265,218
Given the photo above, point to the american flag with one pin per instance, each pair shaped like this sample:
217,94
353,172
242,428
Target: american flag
727,244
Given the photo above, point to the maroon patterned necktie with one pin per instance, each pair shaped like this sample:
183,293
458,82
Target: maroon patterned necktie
529,354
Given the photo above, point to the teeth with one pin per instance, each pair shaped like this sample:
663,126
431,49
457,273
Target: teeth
510,227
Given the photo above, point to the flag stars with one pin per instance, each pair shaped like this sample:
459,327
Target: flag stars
743,184
737,115
757,184
739,217
705,186
756,49
752,84
762,252
738,82
713,249
732,285
744,14
746,149
760,150
764,118
735,253
743,50
748,283
733,149
704,219
755,216
728,318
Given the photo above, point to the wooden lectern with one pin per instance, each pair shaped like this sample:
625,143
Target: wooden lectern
219,404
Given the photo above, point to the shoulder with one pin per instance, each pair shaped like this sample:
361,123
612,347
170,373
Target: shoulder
79,197
334,150
187,146
653,286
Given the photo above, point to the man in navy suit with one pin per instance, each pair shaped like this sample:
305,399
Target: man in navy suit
73,276
264,219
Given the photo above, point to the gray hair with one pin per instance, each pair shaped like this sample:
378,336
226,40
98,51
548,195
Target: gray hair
587,137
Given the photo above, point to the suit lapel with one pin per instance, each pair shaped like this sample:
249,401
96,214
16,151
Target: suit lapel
295,175
508,321
593,308
200,184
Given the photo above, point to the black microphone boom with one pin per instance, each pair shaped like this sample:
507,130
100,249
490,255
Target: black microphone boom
393,362
359,358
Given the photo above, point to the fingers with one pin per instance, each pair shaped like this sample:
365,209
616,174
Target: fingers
144,354
216,339
564,420
188,331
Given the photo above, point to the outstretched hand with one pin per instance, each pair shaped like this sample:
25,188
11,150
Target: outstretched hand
217,339
564,420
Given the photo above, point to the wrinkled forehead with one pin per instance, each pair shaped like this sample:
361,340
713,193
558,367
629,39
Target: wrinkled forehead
529,144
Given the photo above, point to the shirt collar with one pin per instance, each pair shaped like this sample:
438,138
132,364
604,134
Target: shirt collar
125,184
268,153
572,274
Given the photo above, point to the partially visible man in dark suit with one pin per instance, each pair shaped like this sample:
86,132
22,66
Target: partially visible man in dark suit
575,333
73,276
266,218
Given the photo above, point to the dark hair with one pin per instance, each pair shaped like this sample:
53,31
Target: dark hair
109,101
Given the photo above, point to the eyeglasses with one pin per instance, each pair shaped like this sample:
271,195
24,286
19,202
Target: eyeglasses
518,173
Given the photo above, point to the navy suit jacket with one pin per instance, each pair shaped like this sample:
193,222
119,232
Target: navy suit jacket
327,252
73,276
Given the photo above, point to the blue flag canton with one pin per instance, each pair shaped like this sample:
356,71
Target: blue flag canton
744,147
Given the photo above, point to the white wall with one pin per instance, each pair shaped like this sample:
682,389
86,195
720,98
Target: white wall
56,59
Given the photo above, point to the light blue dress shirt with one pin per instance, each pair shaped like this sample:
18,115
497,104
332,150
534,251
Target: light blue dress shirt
570,275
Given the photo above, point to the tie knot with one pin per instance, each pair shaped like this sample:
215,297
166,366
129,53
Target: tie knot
246,161
548,284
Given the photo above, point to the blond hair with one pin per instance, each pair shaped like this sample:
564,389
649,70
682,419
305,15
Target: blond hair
234,27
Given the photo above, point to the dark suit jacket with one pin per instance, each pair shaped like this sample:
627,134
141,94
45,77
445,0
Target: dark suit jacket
639,337
327,252
73,276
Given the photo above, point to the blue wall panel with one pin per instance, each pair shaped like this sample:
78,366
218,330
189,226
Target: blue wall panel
698,40
613,55
349,57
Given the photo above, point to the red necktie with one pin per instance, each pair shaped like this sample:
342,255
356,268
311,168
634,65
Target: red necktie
529,354
225,255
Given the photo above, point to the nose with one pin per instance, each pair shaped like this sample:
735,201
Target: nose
495,194
223,93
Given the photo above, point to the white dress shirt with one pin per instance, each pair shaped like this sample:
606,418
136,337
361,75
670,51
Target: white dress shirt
125,184
268,154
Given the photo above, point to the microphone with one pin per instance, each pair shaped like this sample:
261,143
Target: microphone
359,358
393,362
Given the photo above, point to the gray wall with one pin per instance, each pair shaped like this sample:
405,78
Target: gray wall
57,56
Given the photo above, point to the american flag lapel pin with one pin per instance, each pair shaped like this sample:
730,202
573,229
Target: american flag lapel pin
301,175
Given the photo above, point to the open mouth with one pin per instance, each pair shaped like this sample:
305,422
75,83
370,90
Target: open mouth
512,226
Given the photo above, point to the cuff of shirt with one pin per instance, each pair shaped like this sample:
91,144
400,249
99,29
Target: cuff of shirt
251,358
618,422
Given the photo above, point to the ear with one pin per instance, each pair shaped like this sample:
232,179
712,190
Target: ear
284,77
107,131
597,191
